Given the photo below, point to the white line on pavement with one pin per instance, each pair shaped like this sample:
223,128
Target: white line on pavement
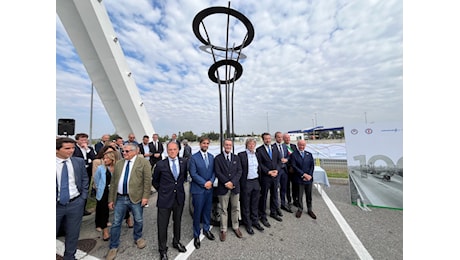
80,255
190,248
351,236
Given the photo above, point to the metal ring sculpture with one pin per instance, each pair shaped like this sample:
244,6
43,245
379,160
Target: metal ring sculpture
213,72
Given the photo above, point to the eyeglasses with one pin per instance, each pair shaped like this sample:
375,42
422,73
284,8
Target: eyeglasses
126,151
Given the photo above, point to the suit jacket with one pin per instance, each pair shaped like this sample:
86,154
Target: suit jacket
187,152
139,183
151,150
293,148
289,167
98,146
266,163
100,180
284,155
226,172
199,173
153,159
169,190
302,165
245,168
81,177
89,158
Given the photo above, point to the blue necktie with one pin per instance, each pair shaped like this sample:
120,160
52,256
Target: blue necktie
125,181
176,175
65,195
303,154
270,151
206,161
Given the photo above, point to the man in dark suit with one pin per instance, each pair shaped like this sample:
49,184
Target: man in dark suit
174,139
83,150
228,172
269,162
157,151
283,174
187,149
103,142
119,142
71,192
129,190
250,186
146,149
168,179
292,189
201,168
304,165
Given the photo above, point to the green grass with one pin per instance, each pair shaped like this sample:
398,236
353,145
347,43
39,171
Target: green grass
337,174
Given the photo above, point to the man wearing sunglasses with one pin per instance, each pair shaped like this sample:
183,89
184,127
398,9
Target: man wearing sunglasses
129,189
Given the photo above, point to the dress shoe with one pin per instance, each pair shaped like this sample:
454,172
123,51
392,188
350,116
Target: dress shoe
250,230
238,233
287,208
209,235
223,235
296,204
298,214
311,214
278,211
259,227
86,213
140,243
275,216
196,242
163,256
265,222
180,247
111,254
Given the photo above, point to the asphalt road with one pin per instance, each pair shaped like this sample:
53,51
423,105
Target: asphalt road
341,231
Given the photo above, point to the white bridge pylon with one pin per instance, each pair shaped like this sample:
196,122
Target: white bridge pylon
91,32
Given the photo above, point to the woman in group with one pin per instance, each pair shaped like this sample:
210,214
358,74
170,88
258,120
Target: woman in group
102,179
99,161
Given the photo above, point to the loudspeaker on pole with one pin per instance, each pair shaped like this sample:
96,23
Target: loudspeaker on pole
66,126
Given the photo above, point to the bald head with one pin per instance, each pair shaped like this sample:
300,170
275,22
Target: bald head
301,144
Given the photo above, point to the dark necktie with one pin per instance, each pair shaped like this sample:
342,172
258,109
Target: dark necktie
280,148
176,175
206,161
65,194
125,181
228,160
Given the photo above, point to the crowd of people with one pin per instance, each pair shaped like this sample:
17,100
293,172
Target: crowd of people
122,174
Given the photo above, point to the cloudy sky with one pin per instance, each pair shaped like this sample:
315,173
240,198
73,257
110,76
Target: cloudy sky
329,63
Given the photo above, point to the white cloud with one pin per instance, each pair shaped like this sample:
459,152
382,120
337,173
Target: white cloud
333,60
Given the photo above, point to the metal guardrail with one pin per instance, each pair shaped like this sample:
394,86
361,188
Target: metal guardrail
333,165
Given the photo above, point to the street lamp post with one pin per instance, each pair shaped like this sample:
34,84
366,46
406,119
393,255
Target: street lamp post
232,56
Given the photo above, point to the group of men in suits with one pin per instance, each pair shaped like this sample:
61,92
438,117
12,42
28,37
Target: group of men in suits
241,180
294,176
151,150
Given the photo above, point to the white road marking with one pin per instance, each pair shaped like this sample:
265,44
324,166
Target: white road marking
190,248
80,255
351,236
